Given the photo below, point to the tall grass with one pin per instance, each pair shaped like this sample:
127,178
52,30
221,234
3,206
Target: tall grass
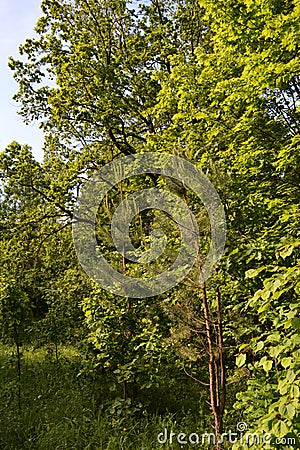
61,410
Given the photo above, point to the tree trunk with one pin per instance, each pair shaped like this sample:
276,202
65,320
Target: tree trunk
216,366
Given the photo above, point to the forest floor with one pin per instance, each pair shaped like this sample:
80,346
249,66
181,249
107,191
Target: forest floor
59,409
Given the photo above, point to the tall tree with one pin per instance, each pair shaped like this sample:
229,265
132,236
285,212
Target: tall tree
236,110
215,82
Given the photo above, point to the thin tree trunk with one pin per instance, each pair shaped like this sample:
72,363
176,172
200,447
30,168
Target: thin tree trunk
19,373
216,366
221,354
211,363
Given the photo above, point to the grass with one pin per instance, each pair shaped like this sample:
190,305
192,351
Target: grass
59,409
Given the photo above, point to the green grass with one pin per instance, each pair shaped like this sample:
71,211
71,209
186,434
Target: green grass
61,410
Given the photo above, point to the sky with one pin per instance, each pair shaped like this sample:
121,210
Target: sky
17,19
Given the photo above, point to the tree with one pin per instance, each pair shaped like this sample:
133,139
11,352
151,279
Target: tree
236,109
102,56
36,256
224,94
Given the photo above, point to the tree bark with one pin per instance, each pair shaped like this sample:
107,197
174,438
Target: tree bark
216,365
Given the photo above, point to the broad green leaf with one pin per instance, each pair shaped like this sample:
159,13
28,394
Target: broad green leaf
267,365
241,359
286,362
280,429
290,411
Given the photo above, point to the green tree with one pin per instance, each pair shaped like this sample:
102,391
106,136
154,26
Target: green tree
236,111
216,83
37,253
101,55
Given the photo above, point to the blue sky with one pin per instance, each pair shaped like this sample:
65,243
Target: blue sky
17,18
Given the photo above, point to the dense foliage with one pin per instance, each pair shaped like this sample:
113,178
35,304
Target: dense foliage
215,82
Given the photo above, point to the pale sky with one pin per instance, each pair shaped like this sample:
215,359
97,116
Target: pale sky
17,20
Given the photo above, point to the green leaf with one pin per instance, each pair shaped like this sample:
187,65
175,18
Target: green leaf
274,337
263,308
243,346
252,273
267,365
287,251
294,391
283,386
275,351
259,346
296,323
280,429
286,362
290,411
240,359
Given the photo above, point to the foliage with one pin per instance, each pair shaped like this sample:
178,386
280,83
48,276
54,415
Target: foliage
36,302
217,83
271,401
59,408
